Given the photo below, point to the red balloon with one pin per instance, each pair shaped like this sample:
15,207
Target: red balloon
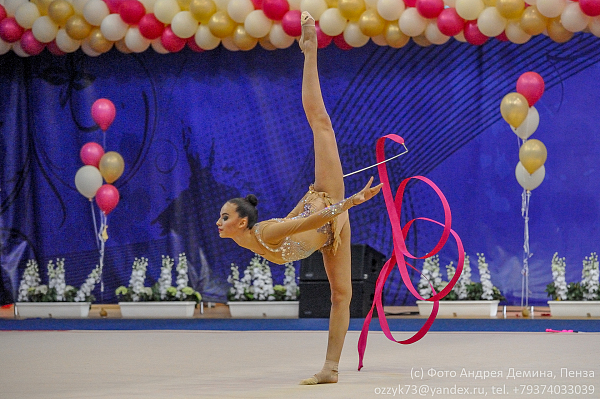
170,41
131,11
91,153
2,12
10,30
107,198
257,4
191,43
275,9
429,8
502,37
323,40
30,44
590,7
54,49
113,5
410,3
449,22
150,27
103,113
531,86
473,35
341,42
291,23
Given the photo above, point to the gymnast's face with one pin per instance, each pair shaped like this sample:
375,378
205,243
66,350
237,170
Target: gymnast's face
230,223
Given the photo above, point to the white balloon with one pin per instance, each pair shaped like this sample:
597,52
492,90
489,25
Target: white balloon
279,38
135,41
257,24
158,47
122,46
490,22
44,29
221,5
184,25
460,37
433,34
66,43
390,10
573,19
113,28
205,39
4,47
238,10
26,15
229,44
78,6
551,8
314,7
354,36
529,125
11,7
411,23
165,10
18,50
294,4
148,5
332,22
88,180
516,34
371,3
469,9
594,26
529,181
95,11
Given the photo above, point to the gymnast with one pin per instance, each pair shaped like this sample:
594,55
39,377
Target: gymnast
319,221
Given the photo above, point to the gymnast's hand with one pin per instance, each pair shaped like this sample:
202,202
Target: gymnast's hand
366,193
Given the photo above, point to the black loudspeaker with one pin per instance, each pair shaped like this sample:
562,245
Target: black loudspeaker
315,299
366,265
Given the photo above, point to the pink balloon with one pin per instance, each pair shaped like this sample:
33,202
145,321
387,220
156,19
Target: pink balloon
91,153
275,9
107,198
2,12
150,27
170,41
410,3
531,86
131,11
341,42
291,23
323,40
473,35
502,37
590,7
54,49
257,4
113,5
10,30
191,43
449,22
103,113
30,44
429,8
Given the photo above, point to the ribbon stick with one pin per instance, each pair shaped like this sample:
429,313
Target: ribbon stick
399,234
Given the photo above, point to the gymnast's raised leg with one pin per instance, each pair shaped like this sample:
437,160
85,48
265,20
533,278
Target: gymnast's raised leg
328,178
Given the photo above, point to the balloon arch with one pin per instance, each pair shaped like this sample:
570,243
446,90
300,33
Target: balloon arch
96,26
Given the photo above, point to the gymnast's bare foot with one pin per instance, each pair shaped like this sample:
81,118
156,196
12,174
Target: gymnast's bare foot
308,39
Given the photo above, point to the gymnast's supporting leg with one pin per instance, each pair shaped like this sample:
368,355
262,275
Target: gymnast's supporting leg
328,178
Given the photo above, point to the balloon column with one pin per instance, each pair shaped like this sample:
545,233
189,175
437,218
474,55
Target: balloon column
518,110
100,167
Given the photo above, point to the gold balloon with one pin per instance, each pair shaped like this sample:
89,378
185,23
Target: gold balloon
77,27
332,3
514,109
202,10
59,11
422,41
351,9
489,3
532,155
122,46
221,25
266,43
371,23
394,36
42,5
510,9
98,42
111,166
243,40
532,21
184,4
557,32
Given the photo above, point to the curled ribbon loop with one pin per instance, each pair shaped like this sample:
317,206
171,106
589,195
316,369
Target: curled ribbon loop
399,234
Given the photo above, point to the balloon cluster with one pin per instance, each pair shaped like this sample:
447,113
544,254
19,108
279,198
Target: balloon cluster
95,26
98,165
517,109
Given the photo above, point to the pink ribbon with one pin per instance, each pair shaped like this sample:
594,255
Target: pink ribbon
399,234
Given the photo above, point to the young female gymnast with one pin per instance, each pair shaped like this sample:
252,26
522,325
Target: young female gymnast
319,221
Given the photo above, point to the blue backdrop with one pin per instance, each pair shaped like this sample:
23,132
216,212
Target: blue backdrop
197,129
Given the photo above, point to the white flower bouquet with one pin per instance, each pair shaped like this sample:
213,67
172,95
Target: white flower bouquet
162,290
585,290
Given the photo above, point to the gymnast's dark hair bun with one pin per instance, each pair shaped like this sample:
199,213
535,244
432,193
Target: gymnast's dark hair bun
251,198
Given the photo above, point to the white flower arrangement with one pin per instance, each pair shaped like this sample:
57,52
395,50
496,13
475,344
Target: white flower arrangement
257,283
162,290
30,289
585,290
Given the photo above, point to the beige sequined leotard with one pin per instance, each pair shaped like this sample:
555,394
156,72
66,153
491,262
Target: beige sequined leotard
311,226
